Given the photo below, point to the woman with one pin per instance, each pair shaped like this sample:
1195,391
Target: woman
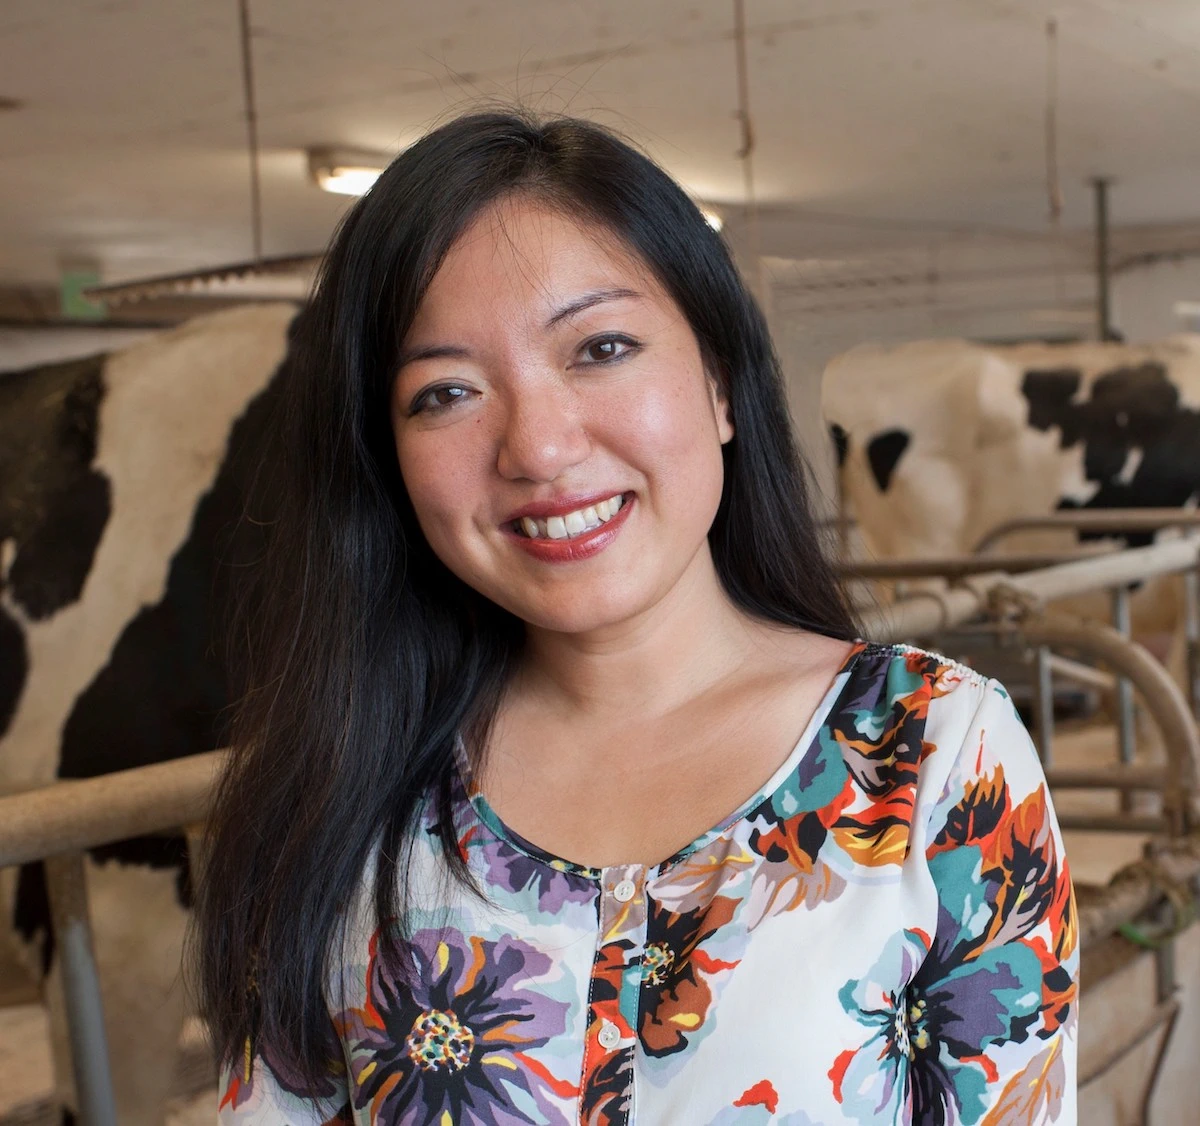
563,792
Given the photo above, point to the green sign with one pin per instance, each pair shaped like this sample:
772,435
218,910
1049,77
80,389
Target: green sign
74,304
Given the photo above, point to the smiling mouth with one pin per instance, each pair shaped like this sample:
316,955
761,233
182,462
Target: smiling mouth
571,524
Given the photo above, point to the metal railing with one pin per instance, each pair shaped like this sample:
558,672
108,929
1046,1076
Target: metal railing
1098,521
56,824
979,587
78,814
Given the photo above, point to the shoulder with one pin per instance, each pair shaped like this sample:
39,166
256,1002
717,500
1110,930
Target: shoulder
898,676
947,721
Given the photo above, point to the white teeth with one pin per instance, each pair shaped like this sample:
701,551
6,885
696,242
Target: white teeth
573,523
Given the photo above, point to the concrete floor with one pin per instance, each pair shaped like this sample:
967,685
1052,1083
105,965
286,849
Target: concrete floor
1111,1007
25,1065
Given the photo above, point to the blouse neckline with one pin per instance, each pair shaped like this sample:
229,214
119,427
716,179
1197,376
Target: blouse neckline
806,745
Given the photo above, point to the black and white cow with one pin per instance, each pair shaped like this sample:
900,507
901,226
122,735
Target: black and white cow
122,480
940,440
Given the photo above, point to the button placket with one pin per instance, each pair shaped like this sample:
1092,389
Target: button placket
615,995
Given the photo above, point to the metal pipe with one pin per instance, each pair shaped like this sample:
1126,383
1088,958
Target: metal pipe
953,566
1100,186
1135,890
1162,697
1191,625
1145,823
931,611
1107,778
1112,520
74,815
1043,704
1079,673
81,990
1122,568
1123,624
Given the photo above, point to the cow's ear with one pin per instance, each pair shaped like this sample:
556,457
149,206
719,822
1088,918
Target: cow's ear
841,442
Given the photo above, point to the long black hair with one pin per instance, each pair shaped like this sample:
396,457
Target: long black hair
364,656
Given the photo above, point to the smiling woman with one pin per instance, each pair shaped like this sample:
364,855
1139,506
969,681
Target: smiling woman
548,377
563,791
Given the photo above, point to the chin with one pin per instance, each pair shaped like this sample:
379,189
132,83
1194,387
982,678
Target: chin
577,614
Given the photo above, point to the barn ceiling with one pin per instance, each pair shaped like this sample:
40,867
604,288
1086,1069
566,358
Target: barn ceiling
878,122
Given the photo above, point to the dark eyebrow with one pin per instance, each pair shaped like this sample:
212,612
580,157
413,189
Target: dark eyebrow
433,352
588,300
456,352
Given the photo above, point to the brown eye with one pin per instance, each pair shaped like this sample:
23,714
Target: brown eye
439,398
606,348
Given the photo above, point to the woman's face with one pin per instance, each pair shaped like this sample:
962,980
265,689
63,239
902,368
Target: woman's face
557,433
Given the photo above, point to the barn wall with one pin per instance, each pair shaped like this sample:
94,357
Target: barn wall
1143,299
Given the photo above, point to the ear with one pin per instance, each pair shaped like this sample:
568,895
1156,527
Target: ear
721,411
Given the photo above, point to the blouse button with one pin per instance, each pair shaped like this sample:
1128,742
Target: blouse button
610,1036
625,891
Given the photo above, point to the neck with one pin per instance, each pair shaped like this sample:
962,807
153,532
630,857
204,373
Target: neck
688,641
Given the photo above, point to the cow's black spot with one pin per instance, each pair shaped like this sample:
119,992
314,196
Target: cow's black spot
841,442
883,455
14,667
53,563
1049,395
163,693
1129,409
53,504
167,851
31,911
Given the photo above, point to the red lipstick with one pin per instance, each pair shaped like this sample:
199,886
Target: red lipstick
573,548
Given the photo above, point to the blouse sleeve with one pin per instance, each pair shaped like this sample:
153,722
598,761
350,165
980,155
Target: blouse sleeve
998,987
252,1094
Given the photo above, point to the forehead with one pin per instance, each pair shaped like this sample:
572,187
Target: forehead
521,256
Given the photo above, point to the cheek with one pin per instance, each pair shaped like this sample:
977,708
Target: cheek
676,435
439,481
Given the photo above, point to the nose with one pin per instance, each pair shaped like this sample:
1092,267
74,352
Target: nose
543,435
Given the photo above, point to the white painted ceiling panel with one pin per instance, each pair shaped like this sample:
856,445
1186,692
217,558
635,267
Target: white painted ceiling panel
128,146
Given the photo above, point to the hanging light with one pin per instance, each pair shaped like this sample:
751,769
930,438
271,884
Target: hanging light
345,171
712,217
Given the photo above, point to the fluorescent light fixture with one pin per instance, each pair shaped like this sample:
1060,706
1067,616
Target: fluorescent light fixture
1188,310
345,171
712,217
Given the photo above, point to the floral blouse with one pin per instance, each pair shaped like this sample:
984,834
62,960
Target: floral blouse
884,933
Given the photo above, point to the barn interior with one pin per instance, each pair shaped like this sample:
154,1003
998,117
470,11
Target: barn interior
914,190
